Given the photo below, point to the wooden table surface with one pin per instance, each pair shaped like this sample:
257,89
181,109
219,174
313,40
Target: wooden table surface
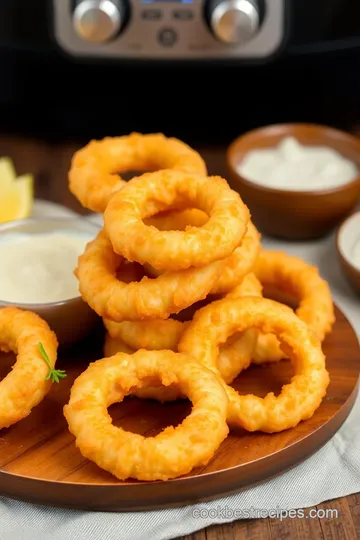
49,164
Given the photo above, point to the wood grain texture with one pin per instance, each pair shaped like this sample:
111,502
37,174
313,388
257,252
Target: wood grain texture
49,164
39,461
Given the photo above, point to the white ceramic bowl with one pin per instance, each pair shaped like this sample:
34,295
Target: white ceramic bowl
347,236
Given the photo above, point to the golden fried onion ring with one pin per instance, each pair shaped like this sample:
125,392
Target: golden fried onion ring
92,177
153,335
300,398
26,385
163,394
237,265
152,193
293,276
240,262
172,453
113,346
148,299
234,356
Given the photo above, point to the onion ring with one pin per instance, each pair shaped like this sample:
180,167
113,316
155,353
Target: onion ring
237,265
113,346
172,453
92,177
156,335
159,335
240,262
163,394
293,276
27,384
298,400
152,193
148,299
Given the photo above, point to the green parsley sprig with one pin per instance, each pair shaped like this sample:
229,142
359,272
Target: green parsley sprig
54,374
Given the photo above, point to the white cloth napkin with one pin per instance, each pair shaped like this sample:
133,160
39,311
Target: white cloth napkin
335,468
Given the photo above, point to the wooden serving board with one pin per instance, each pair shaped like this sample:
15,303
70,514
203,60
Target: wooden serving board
39,462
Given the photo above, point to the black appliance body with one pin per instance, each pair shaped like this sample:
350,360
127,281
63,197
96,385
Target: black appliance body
202,70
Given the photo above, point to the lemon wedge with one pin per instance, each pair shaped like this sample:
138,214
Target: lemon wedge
16,198
7,173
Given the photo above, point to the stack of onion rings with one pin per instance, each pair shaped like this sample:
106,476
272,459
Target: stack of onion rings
191,260
159,335
98,270
173,239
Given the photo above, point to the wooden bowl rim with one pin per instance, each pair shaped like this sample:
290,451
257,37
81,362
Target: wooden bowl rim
289,129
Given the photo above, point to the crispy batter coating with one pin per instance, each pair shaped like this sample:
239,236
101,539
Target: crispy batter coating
172,453
154,335
237,265
238,350
113,346
152,193
94,178
157,298
300,398
234,356
240,262
25,386
293,276
163,394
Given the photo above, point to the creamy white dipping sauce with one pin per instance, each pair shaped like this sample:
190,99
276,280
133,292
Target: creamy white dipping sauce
39,268
293,166
355,255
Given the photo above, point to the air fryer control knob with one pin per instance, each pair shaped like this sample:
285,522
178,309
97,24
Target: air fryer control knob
98,21
234,21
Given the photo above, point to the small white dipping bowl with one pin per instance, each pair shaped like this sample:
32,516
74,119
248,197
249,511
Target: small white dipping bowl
71,319
347,236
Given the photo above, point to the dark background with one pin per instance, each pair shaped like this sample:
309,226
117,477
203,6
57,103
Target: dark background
46,94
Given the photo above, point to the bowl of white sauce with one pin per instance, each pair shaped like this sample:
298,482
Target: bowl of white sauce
348,247
299,180
38,258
